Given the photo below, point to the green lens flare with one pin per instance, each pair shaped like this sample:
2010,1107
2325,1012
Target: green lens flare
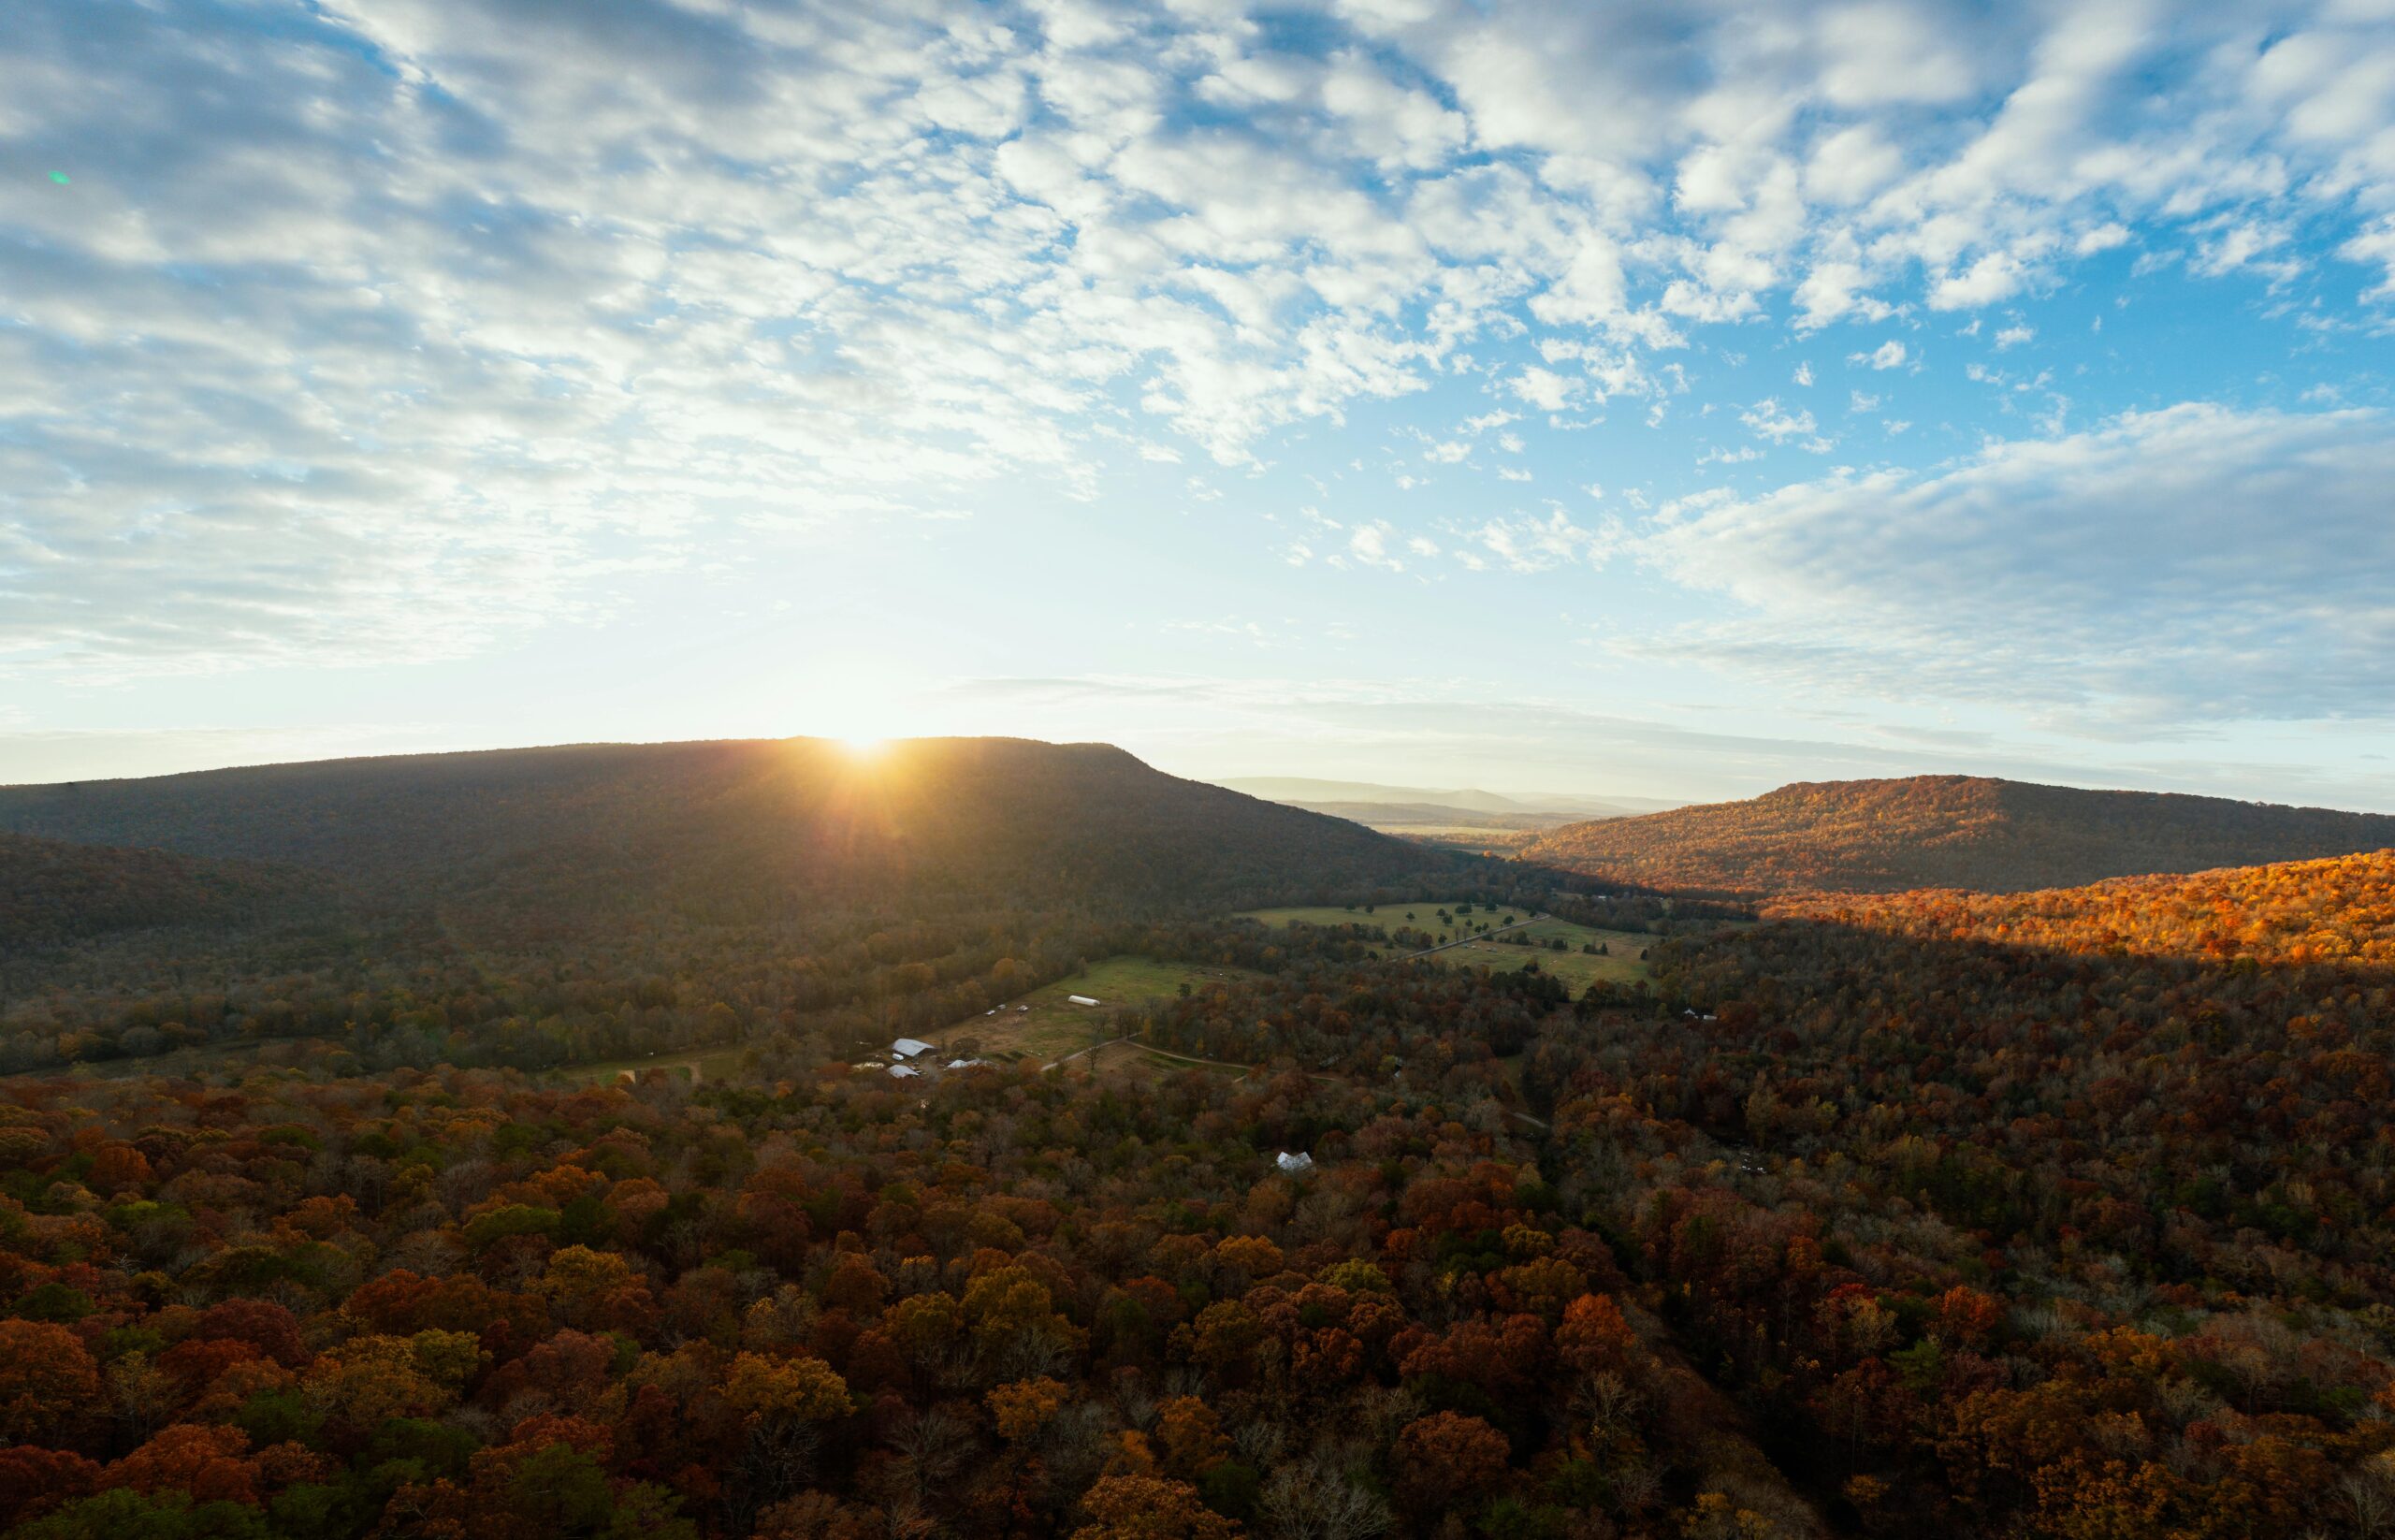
61,178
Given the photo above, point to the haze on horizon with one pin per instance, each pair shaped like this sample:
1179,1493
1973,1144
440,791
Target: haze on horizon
1623,399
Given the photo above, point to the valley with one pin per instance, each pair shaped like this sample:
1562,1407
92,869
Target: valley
539,1113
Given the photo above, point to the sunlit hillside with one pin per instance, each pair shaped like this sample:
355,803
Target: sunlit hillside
1948,832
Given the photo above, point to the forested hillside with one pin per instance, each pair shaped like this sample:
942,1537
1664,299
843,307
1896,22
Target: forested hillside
53,893
1948,832
2064,1214
742,822
541,906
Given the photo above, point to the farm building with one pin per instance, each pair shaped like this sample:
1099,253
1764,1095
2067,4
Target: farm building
1081,999
906,1048
1293,1164
905,1071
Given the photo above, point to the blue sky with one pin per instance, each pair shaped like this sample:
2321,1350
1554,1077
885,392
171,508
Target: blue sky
1659,400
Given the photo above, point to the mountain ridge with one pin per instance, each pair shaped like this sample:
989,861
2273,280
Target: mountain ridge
1972,832
990,812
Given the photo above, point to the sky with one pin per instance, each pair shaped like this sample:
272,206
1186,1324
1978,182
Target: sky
1652,400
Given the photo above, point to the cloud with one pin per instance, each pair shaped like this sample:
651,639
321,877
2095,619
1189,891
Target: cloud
372,332
2137,576
1768,420
1367,545
1525,543
1543,389
1888,354
1452,732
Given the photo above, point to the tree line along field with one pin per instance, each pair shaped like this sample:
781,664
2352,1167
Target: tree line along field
1621,959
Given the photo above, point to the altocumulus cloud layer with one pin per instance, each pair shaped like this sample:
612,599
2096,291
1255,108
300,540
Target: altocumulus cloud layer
2184,565
374,329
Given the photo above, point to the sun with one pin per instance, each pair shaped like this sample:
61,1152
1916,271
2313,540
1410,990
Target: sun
863,747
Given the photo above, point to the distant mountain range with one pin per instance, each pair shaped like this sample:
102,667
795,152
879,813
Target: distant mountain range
1948,832
1418,807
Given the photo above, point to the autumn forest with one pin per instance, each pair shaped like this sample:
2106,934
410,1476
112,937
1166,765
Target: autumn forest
513,1146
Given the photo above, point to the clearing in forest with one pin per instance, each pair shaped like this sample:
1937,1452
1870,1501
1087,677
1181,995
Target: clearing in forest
1390,916
1053,1026
704,1066
1619,963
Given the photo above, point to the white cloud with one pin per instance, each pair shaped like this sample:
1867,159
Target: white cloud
1368,544
1888,354
1543,389
2239,245
2143,572
2376,244
371,331
1525,543
1768,420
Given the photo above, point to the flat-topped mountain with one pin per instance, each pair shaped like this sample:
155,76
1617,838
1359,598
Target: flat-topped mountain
723,822
1949,832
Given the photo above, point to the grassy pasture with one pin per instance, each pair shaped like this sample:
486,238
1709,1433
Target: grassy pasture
1574,967
1388,916
1054,1026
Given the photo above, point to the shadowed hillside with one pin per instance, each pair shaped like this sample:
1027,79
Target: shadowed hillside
593,902
53,893
1949,832
737,822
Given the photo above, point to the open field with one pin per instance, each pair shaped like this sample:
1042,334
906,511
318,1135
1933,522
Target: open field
1388,916
1578,968
1574,967
1132,1063
705,1066
1053,1026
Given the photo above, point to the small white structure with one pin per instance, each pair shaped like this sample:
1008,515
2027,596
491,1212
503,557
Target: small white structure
1293,1164
964,1063
906,1048
1081,999
905,1071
